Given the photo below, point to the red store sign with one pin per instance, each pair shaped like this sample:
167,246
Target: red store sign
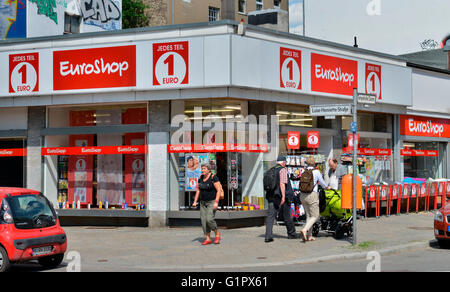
217,147
333,75
94,68
410,152
424,127
94,150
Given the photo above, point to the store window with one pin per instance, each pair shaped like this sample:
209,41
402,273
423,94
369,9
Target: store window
235,170
95,170
370,122
374,159
424,160
298,116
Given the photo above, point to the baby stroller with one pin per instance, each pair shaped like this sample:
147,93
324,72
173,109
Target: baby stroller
333,219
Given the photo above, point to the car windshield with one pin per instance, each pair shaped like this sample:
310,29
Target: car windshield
31,211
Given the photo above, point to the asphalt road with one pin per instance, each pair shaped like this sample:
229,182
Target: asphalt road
429,259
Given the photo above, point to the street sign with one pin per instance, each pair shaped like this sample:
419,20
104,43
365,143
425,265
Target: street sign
367,98
330,110
353,127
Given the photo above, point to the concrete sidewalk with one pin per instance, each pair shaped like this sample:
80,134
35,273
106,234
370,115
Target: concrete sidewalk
179,249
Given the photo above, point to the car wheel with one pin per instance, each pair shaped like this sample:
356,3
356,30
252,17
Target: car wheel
4,260
51,261
444,243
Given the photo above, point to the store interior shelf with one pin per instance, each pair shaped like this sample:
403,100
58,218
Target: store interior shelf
102,213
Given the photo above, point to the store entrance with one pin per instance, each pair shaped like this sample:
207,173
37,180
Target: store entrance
12,172
229,171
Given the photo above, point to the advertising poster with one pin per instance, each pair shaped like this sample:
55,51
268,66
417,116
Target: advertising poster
193,169
135,171
109,172
80,173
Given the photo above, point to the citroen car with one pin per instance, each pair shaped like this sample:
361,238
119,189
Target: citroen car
29,229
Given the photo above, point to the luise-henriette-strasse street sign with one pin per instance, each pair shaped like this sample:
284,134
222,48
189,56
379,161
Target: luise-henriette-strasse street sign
330,110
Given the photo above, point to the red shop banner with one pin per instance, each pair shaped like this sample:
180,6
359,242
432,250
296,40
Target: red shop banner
171,63
424,127
100,150
24,73
312,138
13,152
412,152
106,67
333,75
224,147
369,151
373,80
290,68
293,140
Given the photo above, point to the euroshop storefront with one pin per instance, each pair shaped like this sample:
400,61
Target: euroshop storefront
123,120
425,146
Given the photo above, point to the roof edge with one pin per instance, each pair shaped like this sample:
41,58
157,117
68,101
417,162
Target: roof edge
428,68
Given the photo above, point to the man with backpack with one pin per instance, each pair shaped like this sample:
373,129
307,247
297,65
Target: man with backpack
279,194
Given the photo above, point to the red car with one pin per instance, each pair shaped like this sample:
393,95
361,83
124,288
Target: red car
442,226
29,229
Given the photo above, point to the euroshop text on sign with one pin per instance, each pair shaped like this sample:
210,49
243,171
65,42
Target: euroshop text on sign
424,127
94,68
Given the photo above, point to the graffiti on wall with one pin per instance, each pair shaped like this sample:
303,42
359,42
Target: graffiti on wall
105,14
47,8
13,19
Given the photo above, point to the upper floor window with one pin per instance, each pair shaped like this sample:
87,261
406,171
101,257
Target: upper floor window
259,5
213,14
241,6
276,3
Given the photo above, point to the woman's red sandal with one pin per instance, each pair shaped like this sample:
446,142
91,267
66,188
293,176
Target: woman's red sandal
206,242
217,239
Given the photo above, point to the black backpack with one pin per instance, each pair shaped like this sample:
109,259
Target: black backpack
270,180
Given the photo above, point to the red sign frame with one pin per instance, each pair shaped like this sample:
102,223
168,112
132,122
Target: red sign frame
333,75
424,127
291,138
178,48
27,58
309,136
106,67
294,56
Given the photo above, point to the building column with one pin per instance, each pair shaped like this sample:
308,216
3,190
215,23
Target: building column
336,124
36,122
397,146
158,164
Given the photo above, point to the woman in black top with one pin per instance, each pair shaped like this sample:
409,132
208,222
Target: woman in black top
209,191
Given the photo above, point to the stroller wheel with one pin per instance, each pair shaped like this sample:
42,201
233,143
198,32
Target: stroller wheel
316,229
340,231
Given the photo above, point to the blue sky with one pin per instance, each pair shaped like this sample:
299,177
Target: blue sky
296,16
